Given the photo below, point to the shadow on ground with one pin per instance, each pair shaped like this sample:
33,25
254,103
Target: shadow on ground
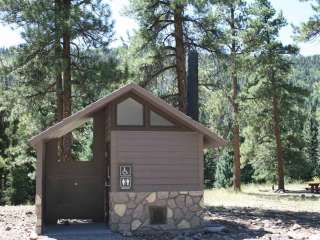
238,223
288,195
231,230
282,218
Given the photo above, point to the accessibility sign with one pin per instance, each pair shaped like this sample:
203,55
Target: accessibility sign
125,177
125,183
125,170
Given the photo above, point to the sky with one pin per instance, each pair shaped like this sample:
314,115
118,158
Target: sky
295,12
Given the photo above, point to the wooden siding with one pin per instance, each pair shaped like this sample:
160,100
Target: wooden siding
161,160
75,189
39,201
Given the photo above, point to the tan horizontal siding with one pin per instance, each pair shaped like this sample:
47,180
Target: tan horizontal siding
147,155
167,187
158,148
166,180
163,174
169,168
162,161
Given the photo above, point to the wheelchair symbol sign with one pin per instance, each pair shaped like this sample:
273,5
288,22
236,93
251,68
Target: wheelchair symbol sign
125,177
125,170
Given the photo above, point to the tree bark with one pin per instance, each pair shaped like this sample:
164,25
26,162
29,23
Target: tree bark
235,105
67,140
277,135
59,97
180,55
58,73
236,138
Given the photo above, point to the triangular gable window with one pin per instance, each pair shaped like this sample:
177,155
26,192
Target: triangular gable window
130,113
157,120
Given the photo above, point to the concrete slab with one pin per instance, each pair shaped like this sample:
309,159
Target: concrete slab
88,231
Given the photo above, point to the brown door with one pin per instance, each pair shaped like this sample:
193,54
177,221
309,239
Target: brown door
75,189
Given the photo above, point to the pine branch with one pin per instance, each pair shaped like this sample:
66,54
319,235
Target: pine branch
147,81
42,93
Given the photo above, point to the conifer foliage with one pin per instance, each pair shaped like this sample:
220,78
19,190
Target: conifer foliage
255,91
56,33
272,68
310,29
313,139
168,29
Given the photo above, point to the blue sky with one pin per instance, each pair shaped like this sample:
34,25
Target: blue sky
295,12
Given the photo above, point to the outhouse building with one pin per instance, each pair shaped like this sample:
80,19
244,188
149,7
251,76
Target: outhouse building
146,168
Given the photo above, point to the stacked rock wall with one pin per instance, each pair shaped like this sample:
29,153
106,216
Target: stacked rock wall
130,211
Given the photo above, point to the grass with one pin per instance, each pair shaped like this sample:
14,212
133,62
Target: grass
262,197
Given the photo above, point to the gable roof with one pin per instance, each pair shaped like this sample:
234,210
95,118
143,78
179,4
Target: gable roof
77,119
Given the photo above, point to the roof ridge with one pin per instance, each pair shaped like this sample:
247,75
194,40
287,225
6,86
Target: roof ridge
78,118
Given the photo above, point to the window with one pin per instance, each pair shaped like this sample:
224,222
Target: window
158,214
157,120
129,113
82,142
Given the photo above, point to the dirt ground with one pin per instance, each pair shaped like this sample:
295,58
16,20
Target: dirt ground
16,222
252,214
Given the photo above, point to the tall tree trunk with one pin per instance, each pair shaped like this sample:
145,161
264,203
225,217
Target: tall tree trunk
235,106
59,97
59,111
67,140
58,73
180,58
236,137
277,135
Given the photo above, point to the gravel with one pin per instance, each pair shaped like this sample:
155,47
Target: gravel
17,223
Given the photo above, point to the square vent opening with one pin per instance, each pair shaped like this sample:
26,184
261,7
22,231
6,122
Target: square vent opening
158,215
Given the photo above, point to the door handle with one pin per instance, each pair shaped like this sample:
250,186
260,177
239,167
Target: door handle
108,172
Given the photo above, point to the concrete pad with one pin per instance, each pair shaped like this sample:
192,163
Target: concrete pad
86,231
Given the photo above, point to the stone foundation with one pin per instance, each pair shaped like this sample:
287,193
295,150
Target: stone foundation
130,211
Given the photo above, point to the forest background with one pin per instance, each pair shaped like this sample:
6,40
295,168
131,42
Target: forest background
255,89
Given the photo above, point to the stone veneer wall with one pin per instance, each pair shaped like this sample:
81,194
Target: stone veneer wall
129,211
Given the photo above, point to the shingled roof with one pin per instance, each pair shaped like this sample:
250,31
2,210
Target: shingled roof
77,119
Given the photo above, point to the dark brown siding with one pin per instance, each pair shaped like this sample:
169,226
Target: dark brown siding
162,160
75,189
40,191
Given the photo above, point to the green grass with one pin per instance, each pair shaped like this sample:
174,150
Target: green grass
262,196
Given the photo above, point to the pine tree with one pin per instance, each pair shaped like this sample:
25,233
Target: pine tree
223,174
272,68
55,34
168,28
311,29
228,41
4,145
313,140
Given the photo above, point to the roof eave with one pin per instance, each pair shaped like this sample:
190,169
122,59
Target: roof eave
78,118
